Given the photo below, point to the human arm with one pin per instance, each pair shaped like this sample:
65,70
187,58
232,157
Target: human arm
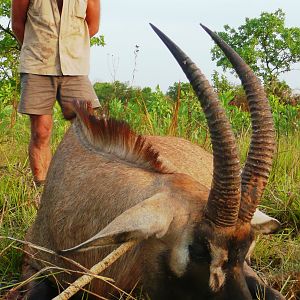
19,10
93,16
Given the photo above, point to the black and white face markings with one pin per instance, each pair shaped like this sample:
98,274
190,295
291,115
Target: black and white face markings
220,256
214,255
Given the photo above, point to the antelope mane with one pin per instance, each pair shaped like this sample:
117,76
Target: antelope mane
115,137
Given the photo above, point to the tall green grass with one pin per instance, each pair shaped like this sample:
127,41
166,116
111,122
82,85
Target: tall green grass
18,195
276,257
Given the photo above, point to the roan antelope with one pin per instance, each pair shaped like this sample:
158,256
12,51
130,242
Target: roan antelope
189,210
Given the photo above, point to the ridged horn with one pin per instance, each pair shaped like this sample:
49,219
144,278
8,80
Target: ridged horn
262,147
224,198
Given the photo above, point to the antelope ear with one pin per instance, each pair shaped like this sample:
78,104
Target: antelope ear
151,217
264,223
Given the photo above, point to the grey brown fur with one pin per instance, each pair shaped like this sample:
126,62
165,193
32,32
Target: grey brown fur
98,195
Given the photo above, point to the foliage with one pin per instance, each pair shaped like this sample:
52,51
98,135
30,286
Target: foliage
97,41
5,8
123,101
107,91
285,108
221,83
281,90
286,117
9,53
178,90
265,44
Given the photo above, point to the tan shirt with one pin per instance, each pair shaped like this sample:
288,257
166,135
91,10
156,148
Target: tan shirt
56,44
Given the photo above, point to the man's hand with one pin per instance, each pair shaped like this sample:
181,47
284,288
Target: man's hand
18,17
93,16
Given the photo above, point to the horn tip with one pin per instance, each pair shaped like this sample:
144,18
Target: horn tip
202,25
153,27
206,29
156,30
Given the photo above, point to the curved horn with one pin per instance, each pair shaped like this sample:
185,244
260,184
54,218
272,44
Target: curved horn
259,161
224,198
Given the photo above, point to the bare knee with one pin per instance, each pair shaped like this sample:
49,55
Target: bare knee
41,136
41,128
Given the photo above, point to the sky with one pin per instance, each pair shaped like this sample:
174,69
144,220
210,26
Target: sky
125,25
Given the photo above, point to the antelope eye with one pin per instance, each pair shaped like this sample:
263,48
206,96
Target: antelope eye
199,252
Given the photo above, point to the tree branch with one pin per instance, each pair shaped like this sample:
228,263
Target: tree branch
8,31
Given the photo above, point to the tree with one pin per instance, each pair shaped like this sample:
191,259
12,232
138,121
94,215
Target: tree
265,44
9,53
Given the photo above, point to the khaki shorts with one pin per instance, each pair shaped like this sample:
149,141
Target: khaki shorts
39,92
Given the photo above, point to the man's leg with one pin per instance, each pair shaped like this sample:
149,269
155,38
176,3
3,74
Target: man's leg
39,146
